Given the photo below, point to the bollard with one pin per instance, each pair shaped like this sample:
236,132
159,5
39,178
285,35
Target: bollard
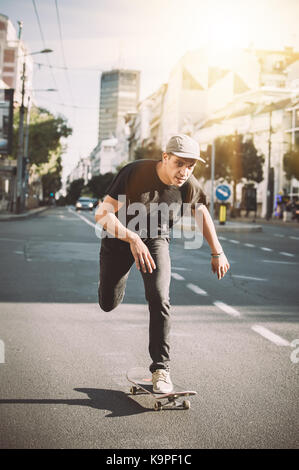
222,214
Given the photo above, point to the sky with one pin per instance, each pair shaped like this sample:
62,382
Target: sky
146,35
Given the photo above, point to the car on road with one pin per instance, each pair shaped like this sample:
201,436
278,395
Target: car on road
84,203
95,201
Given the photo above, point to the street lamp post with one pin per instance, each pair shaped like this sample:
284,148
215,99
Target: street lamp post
17,208
19,196
212,179
270,172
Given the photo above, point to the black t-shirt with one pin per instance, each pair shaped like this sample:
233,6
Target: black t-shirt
151,207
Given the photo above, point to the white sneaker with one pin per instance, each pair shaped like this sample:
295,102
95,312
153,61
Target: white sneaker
162,381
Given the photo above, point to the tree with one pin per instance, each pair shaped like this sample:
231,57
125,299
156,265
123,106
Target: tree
291,163
45,133
150,151
236,159
74,191
99,184
51,174
45,148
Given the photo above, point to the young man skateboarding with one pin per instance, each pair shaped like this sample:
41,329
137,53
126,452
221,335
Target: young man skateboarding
146,186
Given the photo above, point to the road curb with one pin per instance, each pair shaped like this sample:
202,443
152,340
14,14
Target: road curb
25,215
228,227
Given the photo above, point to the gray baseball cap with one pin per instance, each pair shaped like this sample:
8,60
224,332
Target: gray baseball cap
184,146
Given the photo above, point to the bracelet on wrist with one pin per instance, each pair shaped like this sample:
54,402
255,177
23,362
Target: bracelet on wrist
216,255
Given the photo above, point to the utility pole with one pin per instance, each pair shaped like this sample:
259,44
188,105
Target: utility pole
212,179
19,189
26,155
20,163
270,172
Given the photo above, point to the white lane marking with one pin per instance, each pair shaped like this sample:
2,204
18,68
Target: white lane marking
222,238
234,241
19,252
284,253
181,269
279,262
278,235
82,217
266,249
270,336
227,308
177,276
249,277
196,289
293,238
250,245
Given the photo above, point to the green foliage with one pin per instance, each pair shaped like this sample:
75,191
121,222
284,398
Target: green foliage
291,163
235,159
74,191
45,148
99,184
45,132
150,151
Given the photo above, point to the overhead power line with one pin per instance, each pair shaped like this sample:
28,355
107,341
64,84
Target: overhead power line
80,69
69,105
62,51
45,47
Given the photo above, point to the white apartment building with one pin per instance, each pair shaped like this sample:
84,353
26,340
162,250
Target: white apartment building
82,170
206,96
13,54
262,115
145,125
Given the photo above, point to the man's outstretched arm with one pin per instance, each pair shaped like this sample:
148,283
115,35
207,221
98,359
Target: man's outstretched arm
219,262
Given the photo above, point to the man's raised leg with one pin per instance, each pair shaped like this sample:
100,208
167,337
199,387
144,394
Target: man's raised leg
116,261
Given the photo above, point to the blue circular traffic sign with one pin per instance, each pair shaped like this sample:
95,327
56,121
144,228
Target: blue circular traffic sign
223,192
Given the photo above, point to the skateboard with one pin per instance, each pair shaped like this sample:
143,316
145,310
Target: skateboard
141,379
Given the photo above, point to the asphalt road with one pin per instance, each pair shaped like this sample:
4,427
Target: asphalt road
62,376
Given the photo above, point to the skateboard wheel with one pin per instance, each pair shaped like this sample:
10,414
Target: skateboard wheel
158,406
133,390
186,404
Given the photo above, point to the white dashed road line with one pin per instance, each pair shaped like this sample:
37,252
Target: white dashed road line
278,262
221,305
249,277
196,289
261,330
181,269
227,308
294,238
177,276
284,253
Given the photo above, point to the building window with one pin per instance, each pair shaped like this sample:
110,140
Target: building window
9,55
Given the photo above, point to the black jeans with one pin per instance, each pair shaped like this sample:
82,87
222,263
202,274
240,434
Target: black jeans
116,261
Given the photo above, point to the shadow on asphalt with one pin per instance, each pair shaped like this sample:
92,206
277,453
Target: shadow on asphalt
116,401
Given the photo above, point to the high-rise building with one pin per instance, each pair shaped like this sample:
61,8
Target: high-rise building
119,96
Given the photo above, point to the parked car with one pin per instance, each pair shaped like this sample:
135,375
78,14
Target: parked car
84,203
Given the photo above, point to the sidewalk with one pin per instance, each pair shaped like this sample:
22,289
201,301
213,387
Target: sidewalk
30,213
260,220
188,223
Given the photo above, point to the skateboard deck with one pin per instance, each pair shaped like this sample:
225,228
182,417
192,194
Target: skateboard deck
141,379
